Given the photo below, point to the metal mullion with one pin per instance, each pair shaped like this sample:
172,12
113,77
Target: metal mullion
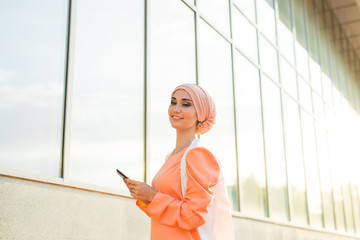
238,190
210,23
305,14
194,9
267,75
343,207
316,19
146,163
277,83
196,25
264,36
196,29
300,107
229,40
245,16
345,83
247,57
331,59
347,225
318,166
262,122
331,175
317,25
358,199
341,187
190,5
68,90
199,15
276,19
352,208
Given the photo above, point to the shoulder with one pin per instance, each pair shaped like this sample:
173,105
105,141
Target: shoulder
201,161
201,154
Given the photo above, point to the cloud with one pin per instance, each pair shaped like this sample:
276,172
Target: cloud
36,95
5,75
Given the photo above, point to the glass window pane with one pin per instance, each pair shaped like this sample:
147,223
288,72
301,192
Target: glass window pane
356,204
217,11
327,88
32,72
339,209
305,94
311,18
295,164
274,148
315,76
171,44
327,38
285,15
318,108
302,60
268,59
337,98
247,7
348,208
244,35
311,169
284,30
107,110
322,42
299,22
325,177
215,64
334,133
250,138
266,18
288,78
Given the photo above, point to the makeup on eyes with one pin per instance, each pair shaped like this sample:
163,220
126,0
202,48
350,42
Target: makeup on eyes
185,100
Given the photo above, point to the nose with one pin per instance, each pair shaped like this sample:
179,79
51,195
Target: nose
176,108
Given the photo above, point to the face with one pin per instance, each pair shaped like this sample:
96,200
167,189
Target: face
182,113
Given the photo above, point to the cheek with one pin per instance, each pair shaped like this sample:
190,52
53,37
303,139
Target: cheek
191,115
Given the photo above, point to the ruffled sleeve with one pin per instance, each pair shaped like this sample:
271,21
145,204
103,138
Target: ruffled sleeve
203,172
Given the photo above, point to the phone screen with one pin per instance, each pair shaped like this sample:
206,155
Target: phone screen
121,174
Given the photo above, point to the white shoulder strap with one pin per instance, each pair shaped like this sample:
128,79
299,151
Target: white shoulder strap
194,144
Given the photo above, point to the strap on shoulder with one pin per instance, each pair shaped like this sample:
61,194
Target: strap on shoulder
194,144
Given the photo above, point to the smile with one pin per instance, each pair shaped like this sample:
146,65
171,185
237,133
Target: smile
176,118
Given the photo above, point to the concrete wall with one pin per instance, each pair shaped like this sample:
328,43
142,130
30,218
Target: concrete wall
40,211
37,211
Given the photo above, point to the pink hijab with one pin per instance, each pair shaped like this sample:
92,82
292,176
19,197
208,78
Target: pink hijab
204,106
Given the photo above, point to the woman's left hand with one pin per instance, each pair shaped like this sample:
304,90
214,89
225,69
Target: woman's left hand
140,190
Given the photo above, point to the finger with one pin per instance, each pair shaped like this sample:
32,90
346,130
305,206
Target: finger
133,193
127,185
133,182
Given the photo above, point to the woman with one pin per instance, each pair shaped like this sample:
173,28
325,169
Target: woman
188,191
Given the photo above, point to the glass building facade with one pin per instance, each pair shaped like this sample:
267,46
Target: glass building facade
85,86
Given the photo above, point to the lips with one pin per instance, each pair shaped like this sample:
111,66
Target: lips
176,118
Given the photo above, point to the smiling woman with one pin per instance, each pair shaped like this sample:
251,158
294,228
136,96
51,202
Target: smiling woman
194,203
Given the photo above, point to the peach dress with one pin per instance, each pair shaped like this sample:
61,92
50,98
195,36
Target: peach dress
176,217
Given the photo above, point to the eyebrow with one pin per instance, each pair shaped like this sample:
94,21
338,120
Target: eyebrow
184,99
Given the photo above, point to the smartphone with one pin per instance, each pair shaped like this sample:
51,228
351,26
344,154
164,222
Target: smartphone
121,174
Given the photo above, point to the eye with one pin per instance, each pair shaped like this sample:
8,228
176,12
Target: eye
187,104
173,103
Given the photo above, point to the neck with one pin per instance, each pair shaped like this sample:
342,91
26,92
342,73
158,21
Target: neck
184,139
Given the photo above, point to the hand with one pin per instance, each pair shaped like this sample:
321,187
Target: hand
140,190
